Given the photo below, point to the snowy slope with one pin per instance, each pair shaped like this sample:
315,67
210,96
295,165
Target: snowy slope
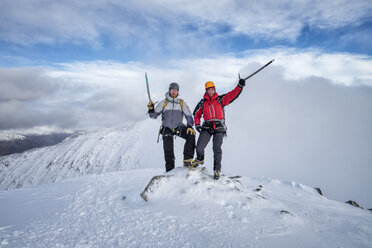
187,209
85,192
88,153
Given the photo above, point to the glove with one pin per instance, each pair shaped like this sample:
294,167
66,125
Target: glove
191,131
198,128
150,105
241,82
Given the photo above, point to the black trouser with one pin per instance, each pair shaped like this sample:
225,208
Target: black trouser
168,145
203,141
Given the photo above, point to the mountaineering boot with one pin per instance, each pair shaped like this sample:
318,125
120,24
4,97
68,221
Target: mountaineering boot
187,162
195,163
217,174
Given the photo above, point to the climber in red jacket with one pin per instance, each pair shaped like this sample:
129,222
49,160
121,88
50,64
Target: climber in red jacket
211,108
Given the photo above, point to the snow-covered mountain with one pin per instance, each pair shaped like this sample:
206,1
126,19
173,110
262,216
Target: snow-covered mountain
85,192
87,153
184,209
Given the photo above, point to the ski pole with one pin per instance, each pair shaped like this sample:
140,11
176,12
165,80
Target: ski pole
257,70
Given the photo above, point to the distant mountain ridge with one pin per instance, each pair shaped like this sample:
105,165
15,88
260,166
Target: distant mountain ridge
27,142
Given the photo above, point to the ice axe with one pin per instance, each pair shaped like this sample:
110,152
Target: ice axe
148,88
148,94
254,73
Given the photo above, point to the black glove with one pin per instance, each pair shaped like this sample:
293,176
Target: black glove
241,82
198,128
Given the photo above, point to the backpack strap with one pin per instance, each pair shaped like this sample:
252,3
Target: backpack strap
165,103
199,106
181,103
219,99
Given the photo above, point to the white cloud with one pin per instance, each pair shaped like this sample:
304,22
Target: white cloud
340,68
128,78
24,84
104,93
143,23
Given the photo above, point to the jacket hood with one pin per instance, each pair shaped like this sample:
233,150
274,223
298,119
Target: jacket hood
207,97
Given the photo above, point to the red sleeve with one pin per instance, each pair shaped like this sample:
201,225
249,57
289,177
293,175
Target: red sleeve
197,116
198,112
231,96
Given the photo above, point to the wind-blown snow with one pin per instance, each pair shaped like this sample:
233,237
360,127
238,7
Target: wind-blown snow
184,210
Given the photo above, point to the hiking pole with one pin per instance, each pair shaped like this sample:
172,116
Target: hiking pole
257,70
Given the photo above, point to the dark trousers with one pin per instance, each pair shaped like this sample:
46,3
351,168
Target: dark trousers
203,141
168,145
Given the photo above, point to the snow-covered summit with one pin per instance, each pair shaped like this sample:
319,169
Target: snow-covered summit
186,209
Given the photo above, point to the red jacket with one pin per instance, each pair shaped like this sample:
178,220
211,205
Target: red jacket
211,108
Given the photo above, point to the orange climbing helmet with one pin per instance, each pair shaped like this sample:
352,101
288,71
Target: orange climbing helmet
209,84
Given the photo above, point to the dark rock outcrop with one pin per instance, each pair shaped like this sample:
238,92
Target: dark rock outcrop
354,204
285,212
319,191
259,188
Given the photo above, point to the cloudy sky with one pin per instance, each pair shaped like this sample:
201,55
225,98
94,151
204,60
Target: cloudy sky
81,64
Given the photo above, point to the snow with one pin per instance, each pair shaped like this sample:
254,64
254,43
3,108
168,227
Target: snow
95,152
86,192
14,134
8,136
186,209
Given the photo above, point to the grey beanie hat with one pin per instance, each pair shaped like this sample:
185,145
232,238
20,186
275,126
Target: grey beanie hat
174,86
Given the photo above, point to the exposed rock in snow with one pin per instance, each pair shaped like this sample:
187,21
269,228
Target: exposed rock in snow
191,180
353,203
319,191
